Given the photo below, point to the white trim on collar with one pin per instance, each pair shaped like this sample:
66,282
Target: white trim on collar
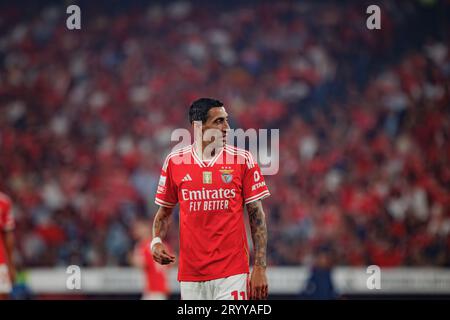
211,162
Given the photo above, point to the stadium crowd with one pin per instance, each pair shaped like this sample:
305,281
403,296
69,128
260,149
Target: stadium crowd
86,118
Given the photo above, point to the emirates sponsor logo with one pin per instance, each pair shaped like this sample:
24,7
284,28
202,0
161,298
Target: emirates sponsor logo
205,194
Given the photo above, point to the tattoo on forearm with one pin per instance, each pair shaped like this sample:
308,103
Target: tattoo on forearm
259,231
161,224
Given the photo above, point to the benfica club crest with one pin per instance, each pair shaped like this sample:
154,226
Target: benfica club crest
227,174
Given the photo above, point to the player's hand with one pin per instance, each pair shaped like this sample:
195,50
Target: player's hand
259,288
161,255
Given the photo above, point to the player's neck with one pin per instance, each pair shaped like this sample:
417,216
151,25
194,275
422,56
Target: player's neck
205,156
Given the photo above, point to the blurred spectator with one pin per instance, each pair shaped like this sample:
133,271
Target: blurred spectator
320,285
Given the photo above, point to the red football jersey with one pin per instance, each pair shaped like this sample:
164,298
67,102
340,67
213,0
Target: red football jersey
155,274
212,195
6,222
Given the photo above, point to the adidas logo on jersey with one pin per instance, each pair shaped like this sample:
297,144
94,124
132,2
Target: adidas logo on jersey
186,178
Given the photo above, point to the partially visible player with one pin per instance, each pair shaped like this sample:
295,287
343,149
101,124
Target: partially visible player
7,269
156,277
212,189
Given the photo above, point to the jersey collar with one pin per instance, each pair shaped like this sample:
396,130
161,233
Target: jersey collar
198,160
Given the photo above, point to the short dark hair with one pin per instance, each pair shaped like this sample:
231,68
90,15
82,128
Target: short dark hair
200,107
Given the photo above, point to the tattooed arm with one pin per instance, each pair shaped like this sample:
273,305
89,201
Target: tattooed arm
160,227
258,279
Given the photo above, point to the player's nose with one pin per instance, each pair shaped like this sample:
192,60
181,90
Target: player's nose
225,127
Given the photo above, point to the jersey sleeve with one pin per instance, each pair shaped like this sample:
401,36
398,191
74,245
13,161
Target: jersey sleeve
254,187
167,191
7,222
